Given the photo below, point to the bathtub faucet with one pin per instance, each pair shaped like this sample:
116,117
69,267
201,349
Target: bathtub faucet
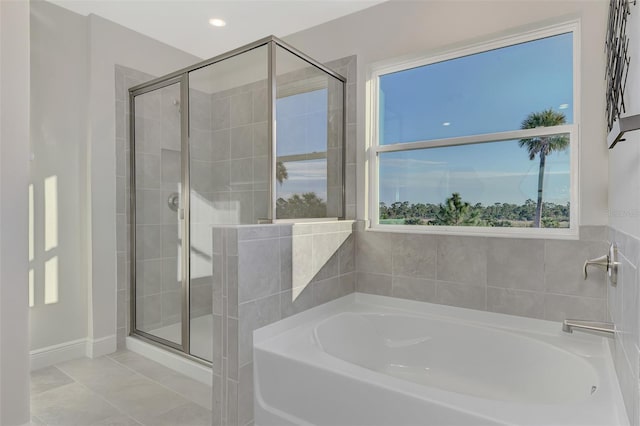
595,327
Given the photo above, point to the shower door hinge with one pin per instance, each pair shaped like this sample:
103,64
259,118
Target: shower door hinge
181,214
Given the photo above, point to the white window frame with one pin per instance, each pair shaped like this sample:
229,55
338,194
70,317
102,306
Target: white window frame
374,148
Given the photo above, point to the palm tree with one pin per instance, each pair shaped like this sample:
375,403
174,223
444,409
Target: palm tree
281,172
543,146
456,212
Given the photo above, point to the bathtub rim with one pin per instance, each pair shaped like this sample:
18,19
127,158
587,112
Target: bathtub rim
462,315
306,320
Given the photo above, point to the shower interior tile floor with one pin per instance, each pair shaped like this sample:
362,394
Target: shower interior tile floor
123,388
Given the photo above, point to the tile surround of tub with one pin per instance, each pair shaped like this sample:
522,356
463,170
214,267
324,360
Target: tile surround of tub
529,277
253,266
525,277
624,310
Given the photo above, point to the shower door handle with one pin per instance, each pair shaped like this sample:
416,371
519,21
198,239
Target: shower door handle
173,201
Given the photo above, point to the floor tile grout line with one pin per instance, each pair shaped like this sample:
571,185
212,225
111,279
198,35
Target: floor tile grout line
51,366
121,411
141,375
160,383
52,389
94,393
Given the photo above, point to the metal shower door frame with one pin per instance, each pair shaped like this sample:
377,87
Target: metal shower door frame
184,347
182,77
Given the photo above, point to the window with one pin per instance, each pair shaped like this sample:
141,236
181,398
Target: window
481,140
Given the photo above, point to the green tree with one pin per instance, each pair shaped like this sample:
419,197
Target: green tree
550,222
457,212
413,221
384,211
542,146
298,206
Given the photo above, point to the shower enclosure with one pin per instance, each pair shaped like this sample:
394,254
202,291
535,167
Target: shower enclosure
252,136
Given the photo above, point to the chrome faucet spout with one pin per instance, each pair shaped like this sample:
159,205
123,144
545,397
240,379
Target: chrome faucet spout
594,327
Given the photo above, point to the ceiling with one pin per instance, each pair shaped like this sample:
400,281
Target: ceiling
184,24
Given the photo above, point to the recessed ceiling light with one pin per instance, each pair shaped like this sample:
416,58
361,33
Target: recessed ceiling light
446,123
563,106
217,22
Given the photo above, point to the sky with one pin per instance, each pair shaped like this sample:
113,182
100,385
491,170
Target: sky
484,173
483,93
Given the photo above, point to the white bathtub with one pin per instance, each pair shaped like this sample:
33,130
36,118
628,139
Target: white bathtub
372,360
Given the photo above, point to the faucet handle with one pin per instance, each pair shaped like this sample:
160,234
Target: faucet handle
601,262
608,262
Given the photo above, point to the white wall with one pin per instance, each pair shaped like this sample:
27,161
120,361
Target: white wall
399,28
112,44
624,158
59,81
74,132
14,149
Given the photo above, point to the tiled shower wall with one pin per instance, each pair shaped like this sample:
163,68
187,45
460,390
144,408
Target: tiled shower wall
124,78
158,149
527,277
253,273
158,297
203,211
238,174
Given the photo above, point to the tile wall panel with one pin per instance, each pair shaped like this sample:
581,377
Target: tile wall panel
258,291
528,277
623,309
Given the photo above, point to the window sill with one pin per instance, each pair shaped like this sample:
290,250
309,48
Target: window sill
467,231
307,220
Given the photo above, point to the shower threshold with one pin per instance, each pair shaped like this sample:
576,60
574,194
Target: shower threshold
201,335
176,361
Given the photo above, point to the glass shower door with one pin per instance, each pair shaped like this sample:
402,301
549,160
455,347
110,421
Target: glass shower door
228,176
158,215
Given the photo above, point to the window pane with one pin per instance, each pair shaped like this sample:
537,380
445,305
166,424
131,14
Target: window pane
489,184
488,92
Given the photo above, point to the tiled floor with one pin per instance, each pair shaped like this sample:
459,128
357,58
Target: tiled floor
119,390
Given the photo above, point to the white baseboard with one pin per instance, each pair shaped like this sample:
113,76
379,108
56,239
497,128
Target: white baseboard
62,352
101,346
91,348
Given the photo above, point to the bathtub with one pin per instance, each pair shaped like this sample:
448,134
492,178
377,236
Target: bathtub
373,360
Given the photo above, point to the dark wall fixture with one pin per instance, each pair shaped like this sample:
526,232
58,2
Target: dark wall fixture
617,71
